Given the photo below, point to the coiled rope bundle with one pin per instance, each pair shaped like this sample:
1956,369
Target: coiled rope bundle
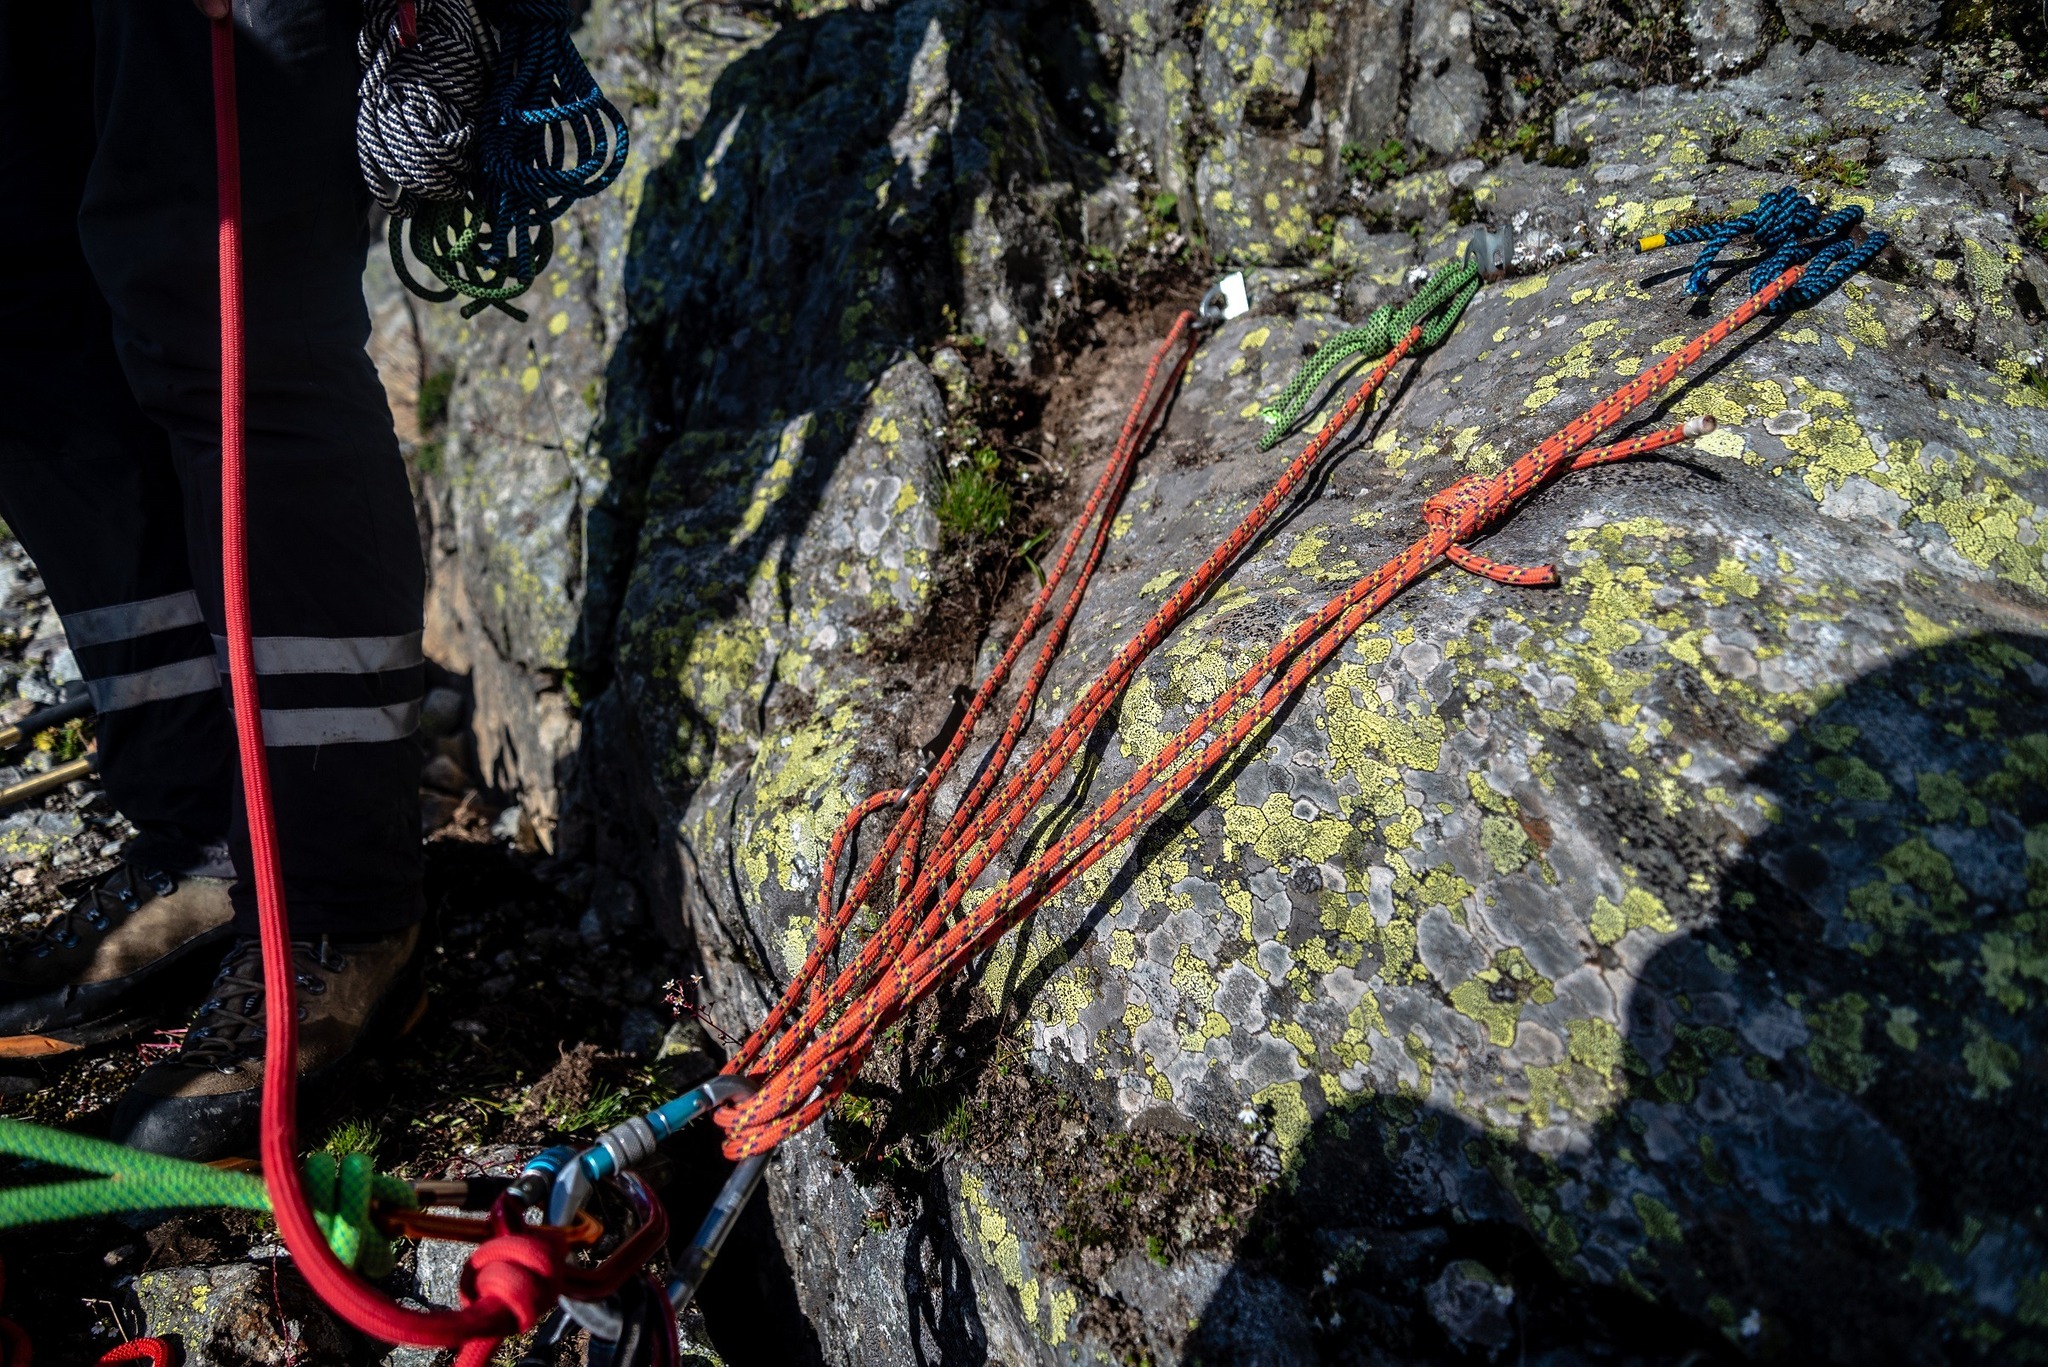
477,132
1790,230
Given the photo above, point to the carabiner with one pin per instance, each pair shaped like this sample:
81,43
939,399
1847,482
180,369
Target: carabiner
632,1141
1225,300
1491,251
711,1235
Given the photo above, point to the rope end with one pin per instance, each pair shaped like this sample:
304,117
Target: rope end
1700,426
1650,243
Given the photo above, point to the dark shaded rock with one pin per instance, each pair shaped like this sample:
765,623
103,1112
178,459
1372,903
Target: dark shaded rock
227,1316
1895,19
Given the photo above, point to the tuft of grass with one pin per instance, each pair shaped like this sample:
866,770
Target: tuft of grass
1835,169
956,1124
433,401
974,502
352,1136
604,1110
1374,165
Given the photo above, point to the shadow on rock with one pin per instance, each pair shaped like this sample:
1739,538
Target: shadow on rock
1818,1136
863,184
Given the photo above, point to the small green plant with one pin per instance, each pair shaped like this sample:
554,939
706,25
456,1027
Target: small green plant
433,401
2037,230
604,1110
954,1128
1829,166
1166,207
974,502
1374,165
65,743
351,1136
1027,554
426,457
2038,382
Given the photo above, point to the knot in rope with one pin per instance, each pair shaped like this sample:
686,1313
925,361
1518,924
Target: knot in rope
426,72
1790,230
1463,510
341,1192
518,1271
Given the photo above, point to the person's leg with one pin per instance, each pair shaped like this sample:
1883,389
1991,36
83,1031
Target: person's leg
337,582
88,487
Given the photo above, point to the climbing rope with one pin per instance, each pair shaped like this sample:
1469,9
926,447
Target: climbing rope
342,1191
477,133
817,1037
1789,229
976,830
426,73
1436,306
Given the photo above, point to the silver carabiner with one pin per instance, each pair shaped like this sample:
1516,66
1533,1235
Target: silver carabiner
1225,300
630,1142
1491,251
711,1235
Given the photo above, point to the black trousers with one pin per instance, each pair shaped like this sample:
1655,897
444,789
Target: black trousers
110,433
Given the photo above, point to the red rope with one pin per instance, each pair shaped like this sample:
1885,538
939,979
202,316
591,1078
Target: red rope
517,1274
155,1352
801,1067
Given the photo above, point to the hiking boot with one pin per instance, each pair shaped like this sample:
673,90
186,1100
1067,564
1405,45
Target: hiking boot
128,928
204,1102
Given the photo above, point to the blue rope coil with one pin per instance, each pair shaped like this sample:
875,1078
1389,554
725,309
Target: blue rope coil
544,100
1789,229
442,79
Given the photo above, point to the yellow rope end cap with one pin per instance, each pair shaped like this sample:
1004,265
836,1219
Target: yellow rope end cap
1650,243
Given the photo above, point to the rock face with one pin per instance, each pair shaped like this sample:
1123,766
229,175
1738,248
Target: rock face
1643,966
238,1315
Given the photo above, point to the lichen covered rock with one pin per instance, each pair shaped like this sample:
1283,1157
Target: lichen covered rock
1653,962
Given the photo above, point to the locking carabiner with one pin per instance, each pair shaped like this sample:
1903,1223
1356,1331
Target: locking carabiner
631,1141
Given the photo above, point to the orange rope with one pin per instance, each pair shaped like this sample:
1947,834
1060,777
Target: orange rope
800,1068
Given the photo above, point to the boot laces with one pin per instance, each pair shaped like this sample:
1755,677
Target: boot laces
230,1027
112,898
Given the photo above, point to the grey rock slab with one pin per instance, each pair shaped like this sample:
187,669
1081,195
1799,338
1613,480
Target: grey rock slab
1666,930
227,1316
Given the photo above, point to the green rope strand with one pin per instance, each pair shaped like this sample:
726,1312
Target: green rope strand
448,239
341,1191
1436,306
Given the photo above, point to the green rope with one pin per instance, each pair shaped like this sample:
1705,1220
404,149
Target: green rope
1436,306
341,1191
451,241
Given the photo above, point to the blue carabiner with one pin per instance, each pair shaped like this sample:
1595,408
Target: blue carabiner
631,1141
